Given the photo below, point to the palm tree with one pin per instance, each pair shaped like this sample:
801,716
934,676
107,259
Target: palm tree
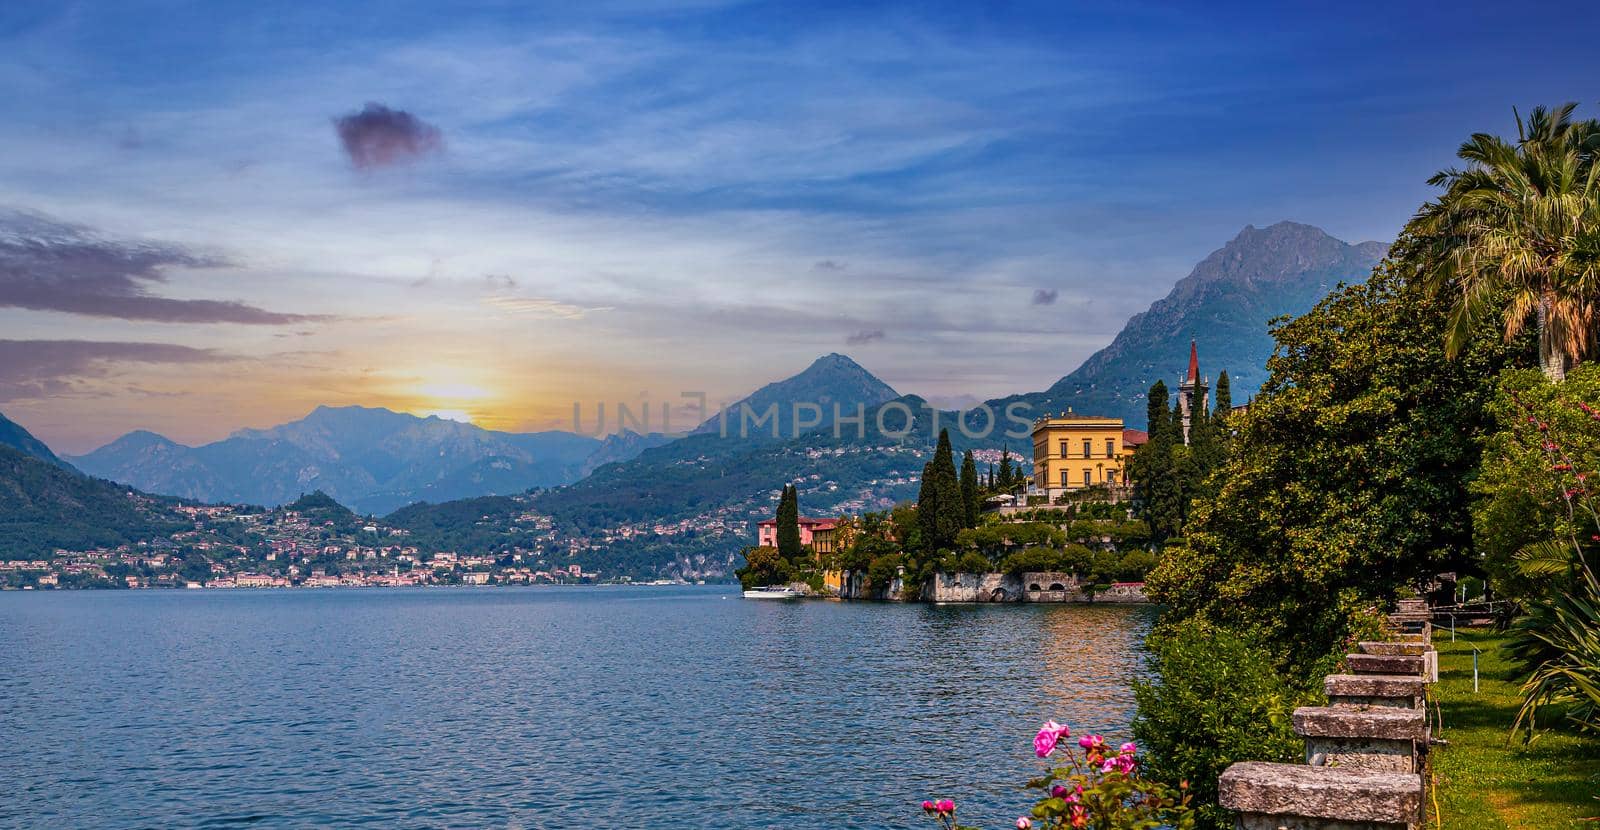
1518,232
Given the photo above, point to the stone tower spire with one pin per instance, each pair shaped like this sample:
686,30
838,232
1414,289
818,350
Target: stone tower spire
1192,391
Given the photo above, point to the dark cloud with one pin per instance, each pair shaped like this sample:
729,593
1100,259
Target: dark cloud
46,265
829,265
864,336
1045,296
43,368
381,137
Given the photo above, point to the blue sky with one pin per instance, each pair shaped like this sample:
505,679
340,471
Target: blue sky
627,200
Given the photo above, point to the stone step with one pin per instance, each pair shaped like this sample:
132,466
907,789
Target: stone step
1410,664
1391,648
1300,798
1400,690
1373,738
1411,605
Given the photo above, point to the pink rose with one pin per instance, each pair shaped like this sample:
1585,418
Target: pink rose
1049,735
947,806
927,806
1130,748
1024,823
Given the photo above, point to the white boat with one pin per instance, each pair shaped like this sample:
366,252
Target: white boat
773,592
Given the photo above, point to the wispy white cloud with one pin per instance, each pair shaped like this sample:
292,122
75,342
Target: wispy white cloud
540,307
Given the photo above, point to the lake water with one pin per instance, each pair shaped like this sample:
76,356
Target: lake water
537,707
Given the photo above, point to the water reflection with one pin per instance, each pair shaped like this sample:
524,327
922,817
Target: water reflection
537,708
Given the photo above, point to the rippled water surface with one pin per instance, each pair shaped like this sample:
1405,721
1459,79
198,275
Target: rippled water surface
536,708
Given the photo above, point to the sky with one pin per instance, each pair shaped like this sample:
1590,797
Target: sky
217,215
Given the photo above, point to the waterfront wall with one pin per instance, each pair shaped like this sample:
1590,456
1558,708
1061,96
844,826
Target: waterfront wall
996,587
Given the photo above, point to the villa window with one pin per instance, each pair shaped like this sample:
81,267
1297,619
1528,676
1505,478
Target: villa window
1064,480
1087,452
1111,448
1111,476
1063,449
1088,477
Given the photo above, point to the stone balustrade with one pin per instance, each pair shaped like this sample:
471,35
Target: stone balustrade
1366,751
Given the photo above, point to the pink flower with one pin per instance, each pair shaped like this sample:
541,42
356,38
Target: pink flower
1049,735
1024,823
1121,763
1092,742
946,806
928,807
1130,748
1080,817
1058,791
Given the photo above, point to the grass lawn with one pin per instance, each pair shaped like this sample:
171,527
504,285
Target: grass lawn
1485,782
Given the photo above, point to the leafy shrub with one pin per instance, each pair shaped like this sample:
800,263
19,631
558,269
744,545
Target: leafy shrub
1557,643
883,570
1216,700
1034,560
973,563
764,566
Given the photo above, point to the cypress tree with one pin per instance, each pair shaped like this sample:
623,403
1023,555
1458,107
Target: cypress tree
969,490
789,524
951,516
1006,480
1155,471
1156,410
991,477
928,508
1221,433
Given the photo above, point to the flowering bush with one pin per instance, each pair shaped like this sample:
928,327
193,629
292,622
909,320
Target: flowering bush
1094,788
1540,474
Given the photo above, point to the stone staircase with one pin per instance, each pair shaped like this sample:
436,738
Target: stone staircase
1366,751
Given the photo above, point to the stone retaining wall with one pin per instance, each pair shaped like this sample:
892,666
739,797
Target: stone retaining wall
997,587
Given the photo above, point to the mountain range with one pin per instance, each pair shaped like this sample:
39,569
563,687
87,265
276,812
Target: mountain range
373,460
1224,306
651,504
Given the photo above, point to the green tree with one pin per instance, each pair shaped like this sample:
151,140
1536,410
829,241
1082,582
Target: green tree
941,513
764,566
969,490
789,524
1224,399
1349,474
1160,467
1516,235
928,508
1007,475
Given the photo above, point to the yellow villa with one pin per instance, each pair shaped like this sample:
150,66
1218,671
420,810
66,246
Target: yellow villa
1072,452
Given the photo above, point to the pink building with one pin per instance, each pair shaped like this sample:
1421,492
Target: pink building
818,533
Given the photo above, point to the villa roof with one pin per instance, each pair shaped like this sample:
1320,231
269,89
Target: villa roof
805,521
1134,437
1194,363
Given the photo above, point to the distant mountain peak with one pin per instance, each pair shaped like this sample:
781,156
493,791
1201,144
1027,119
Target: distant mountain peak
831,379
1224,305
